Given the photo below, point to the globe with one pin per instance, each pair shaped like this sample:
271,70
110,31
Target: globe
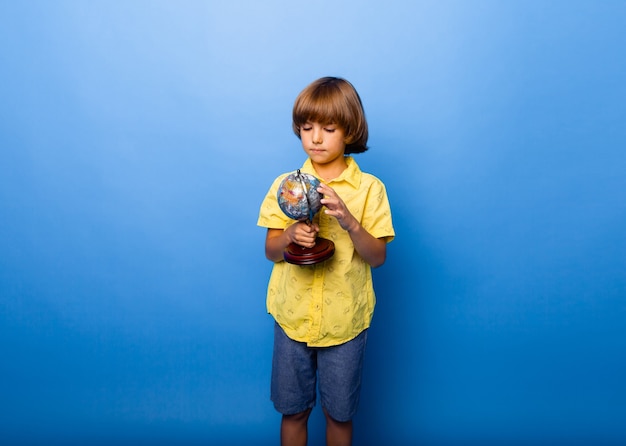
298,196
299,199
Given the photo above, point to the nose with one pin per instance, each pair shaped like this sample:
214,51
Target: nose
316,136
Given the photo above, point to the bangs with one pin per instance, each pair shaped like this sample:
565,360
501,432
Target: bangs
320,106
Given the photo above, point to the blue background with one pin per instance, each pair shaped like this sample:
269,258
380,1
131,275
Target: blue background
137,140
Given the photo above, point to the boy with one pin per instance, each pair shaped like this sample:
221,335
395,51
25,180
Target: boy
323,311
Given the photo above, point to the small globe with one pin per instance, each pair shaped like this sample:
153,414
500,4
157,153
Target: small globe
298,196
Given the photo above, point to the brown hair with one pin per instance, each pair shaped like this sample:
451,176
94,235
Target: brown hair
332,100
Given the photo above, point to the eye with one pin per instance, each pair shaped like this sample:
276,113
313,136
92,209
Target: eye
329,129
305,128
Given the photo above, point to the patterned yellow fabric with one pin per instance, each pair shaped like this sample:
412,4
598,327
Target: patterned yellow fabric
332,302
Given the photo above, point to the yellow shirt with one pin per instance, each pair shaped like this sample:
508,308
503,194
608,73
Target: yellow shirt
333,301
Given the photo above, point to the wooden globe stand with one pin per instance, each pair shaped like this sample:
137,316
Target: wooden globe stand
299,255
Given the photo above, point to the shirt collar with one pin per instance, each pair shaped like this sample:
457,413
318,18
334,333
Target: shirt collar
352,174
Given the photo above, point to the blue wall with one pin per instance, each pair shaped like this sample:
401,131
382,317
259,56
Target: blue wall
137,140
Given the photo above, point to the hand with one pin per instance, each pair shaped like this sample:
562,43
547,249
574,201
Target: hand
372,250
337,208
303,234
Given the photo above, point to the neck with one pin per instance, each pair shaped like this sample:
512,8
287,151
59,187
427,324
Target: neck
332,170
327,172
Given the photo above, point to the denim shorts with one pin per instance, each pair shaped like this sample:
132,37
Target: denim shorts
296,368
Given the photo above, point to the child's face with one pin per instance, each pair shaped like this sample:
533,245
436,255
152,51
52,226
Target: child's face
324,143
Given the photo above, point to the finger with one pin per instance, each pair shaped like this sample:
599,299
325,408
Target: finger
305,227
325,189
328,199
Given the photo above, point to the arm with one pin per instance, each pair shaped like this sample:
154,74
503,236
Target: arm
277,240
373,250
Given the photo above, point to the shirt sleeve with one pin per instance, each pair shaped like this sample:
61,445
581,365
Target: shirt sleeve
377,216
270,214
